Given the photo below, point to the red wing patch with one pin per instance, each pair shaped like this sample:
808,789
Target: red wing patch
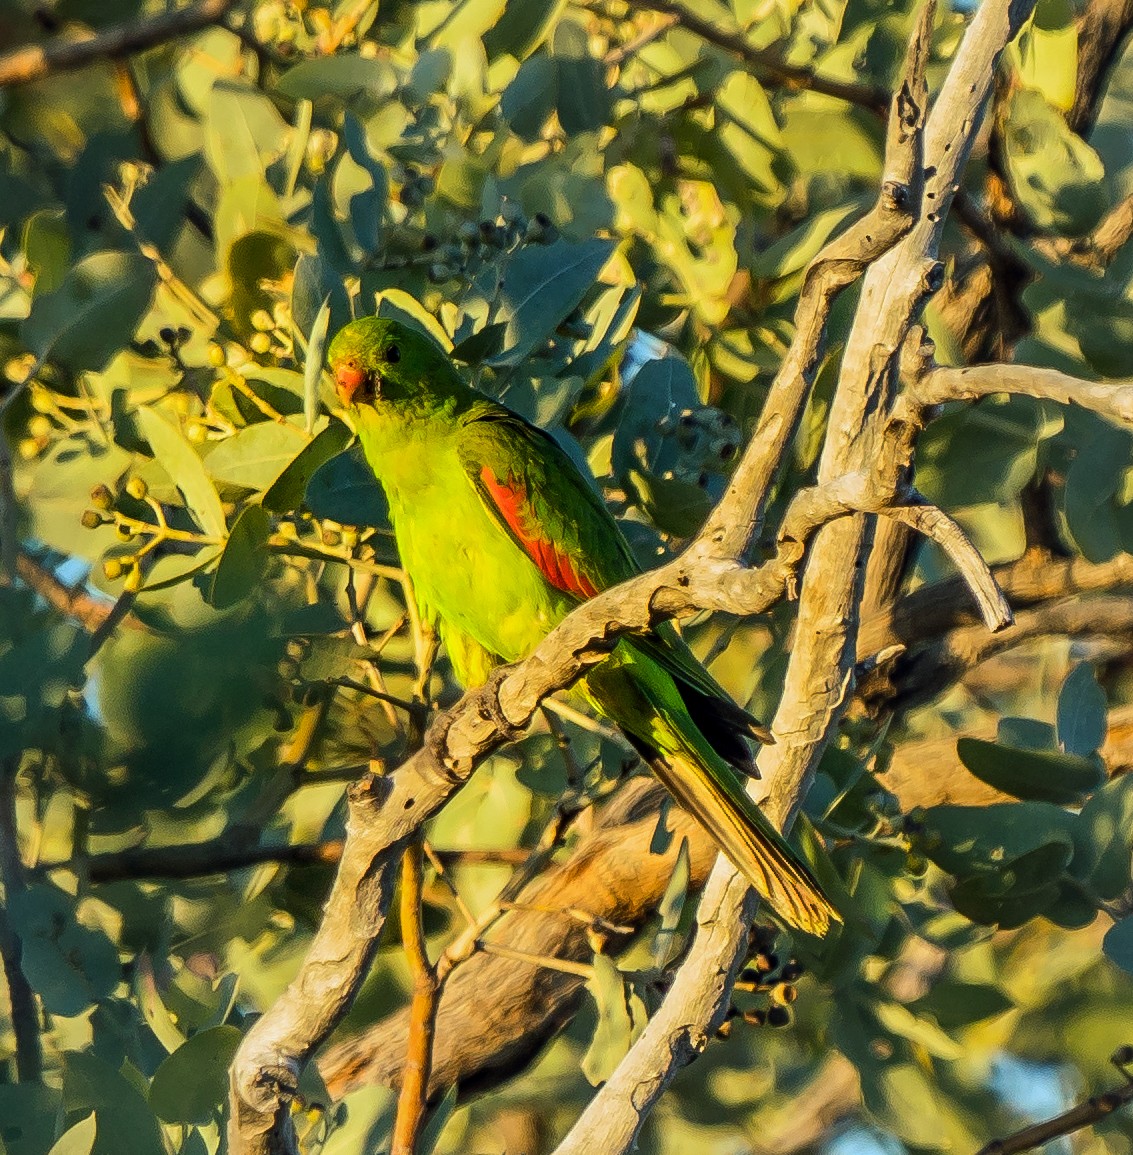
510,498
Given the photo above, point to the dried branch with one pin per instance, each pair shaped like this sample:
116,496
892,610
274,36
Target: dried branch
74,602
1102,29
411,1101
937,525
1113,401
35,61
921,676
698,997
612,876
1093,1110
928,613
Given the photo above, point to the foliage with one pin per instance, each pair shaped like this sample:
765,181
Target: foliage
541,187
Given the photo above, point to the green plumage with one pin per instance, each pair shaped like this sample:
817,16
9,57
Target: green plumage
502,537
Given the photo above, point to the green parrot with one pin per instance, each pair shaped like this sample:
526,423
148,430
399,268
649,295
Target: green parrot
502,537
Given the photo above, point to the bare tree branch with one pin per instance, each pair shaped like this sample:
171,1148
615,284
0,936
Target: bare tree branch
770,65
1111,400
698,997
1093,1110
35,61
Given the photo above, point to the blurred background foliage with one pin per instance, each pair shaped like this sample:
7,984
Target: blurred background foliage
605,211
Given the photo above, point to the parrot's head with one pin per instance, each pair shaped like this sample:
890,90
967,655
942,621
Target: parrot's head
379,362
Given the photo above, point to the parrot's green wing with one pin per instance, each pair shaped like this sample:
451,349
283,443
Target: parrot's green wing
537,493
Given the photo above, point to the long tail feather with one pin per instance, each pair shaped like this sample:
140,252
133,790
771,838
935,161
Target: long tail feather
743,832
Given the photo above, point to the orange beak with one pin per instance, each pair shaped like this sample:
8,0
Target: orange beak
349,377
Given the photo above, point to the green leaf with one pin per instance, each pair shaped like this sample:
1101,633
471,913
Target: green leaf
125,1120
343,76
191,1085
287,491
253,457
313,369
87,320
542,285
1056,176
522,27
245,132
1048,51
794,251
47,249
584,103
242,563
1118,944
672,903
531,97
79,1139
69,965
613,1034
345,490
29,1113
178,458
1065,779
955,1004
901,1020
1103,838
1082,713
317,281
963,839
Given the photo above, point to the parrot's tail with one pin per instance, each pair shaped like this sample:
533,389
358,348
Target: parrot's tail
745,835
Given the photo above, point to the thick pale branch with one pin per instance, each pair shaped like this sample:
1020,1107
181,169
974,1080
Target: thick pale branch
35,61
698,997
937,525
1113,401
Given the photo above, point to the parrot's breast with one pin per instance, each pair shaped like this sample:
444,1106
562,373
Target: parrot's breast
468,573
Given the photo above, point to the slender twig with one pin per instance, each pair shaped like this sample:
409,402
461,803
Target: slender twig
21,997
413,1096
769,64
1093,1110
35,61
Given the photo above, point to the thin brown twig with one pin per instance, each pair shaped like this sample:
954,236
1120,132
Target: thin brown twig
35,61
413,1096
21,997
1093,1110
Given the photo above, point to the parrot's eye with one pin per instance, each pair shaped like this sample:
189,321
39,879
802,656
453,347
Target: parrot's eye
393,355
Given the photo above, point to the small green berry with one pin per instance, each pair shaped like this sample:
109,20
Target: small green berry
216,355
259,342
137,488
91,519
125,533
133,581
262,320
112,568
